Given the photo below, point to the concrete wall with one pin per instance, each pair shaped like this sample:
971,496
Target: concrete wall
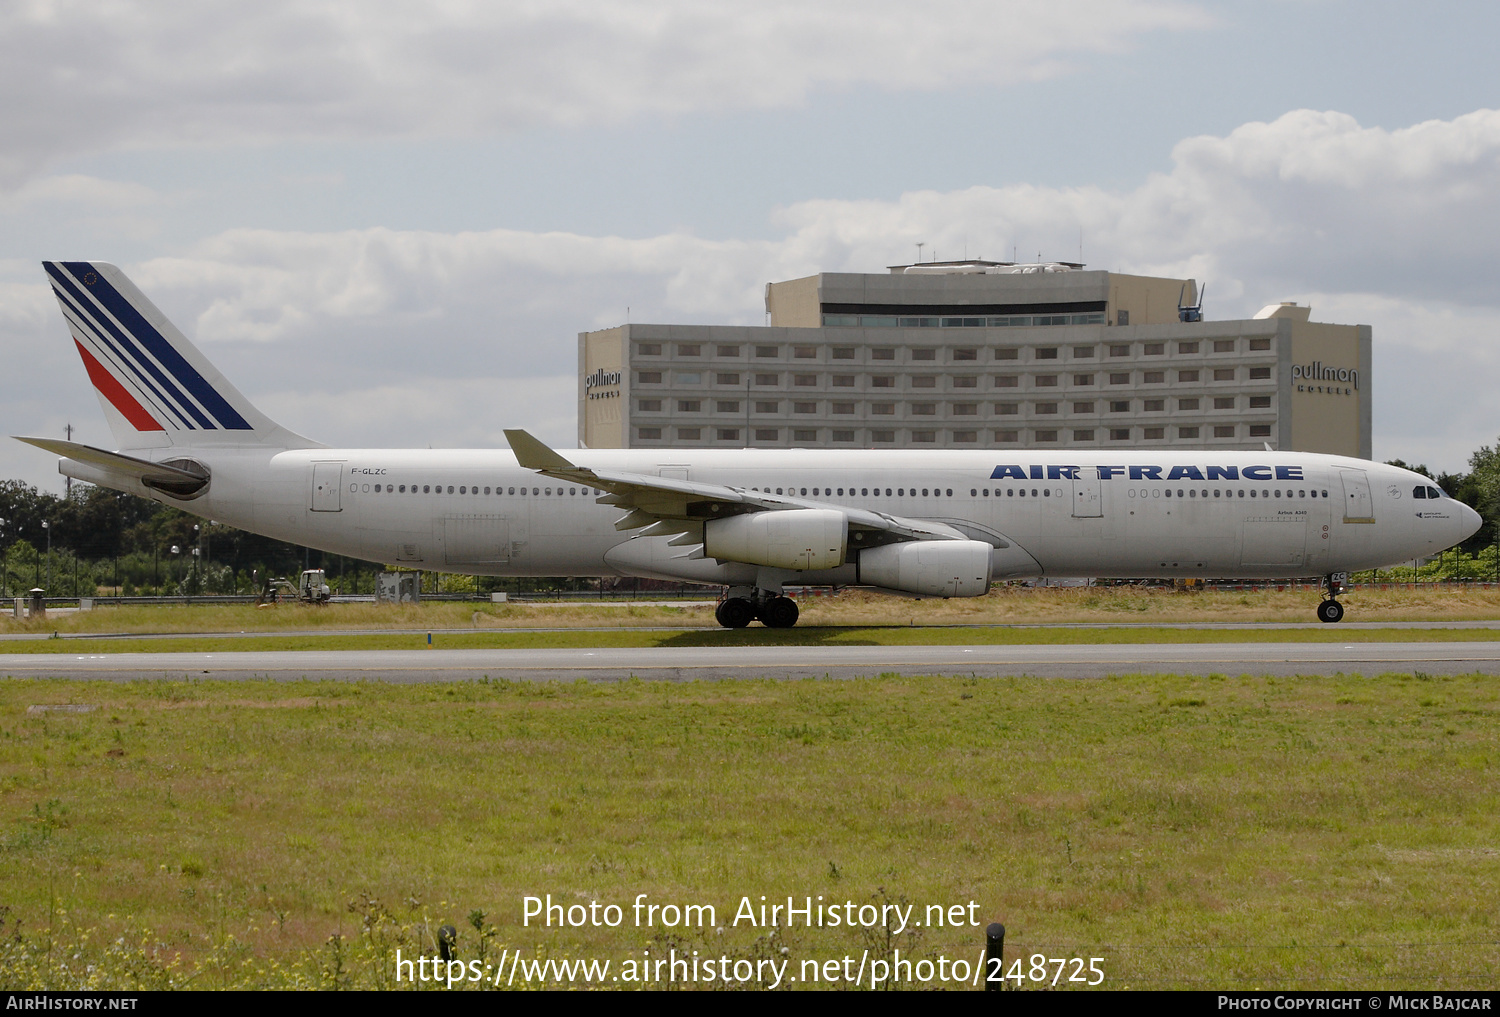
1149,300
794,303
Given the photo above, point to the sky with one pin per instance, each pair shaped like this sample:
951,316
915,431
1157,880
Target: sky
387,222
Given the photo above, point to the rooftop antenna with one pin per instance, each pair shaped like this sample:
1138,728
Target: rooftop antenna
920,244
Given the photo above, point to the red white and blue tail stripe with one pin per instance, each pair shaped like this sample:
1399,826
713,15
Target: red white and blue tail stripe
156,388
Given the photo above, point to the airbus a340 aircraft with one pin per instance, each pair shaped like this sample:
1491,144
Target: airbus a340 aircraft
929,524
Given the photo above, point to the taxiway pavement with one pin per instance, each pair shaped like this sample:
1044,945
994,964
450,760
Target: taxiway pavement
783,662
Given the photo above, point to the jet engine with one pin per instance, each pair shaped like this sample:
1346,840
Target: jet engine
801,539
932,568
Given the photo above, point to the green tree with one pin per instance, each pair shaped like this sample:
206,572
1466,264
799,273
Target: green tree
1484,481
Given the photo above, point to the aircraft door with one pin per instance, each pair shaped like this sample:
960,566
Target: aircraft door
1359,507
1086,501
328,478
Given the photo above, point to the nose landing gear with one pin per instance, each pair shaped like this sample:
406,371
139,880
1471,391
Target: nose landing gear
1330,610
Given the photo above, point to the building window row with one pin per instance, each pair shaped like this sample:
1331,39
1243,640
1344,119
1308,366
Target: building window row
955,354
961,409
879,436
1191,376
960,321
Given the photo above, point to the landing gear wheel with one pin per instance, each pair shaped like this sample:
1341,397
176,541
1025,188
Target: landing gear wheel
1330,611
734,613
779,613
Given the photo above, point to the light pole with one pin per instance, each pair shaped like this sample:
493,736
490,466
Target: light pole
48,527
175,570
197,555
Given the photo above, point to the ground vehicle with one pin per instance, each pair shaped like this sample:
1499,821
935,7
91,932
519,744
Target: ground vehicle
310,588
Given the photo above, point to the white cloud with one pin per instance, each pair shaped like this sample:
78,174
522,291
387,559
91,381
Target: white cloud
1396,229
83,77
76,191
1310,201
467,412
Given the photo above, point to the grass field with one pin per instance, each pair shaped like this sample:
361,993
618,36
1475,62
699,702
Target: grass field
1191,832
802,635
851,608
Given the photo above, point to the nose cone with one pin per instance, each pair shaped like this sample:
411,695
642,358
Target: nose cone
1469,523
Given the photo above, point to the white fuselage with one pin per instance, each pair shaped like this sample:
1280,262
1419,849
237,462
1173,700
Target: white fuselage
1137,513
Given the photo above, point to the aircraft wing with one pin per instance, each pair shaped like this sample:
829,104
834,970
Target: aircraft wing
663,506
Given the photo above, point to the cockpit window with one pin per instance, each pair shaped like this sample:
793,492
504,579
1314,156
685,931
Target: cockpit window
1420,491
1433,492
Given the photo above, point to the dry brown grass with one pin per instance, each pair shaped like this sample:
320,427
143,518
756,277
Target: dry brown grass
1149,606
1004,606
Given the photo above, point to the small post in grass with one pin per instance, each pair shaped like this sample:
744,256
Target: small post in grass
994,957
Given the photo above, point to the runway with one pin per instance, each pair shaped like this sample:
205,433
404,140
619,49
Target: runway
781,662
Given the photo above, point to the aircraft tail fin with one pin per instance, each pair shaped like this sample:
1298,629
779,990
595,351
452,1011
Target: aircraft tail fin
157,389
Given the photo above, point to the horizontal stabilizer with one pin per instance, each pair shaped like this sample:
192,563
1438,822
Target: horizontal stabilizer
182,481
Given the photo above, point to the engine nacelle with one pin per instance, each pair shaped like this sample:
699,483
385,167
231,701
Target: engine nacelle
799,539
933,568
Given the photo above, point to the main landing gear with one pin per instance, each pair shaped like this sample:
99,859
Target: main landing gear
742,607
1330,610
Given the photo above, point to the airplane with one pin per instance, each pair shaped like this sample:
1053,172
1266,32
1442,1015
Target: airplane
752,521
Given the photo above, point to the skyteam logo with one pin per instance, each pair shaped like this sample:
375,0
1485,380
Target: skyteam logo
133,365
1149,472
